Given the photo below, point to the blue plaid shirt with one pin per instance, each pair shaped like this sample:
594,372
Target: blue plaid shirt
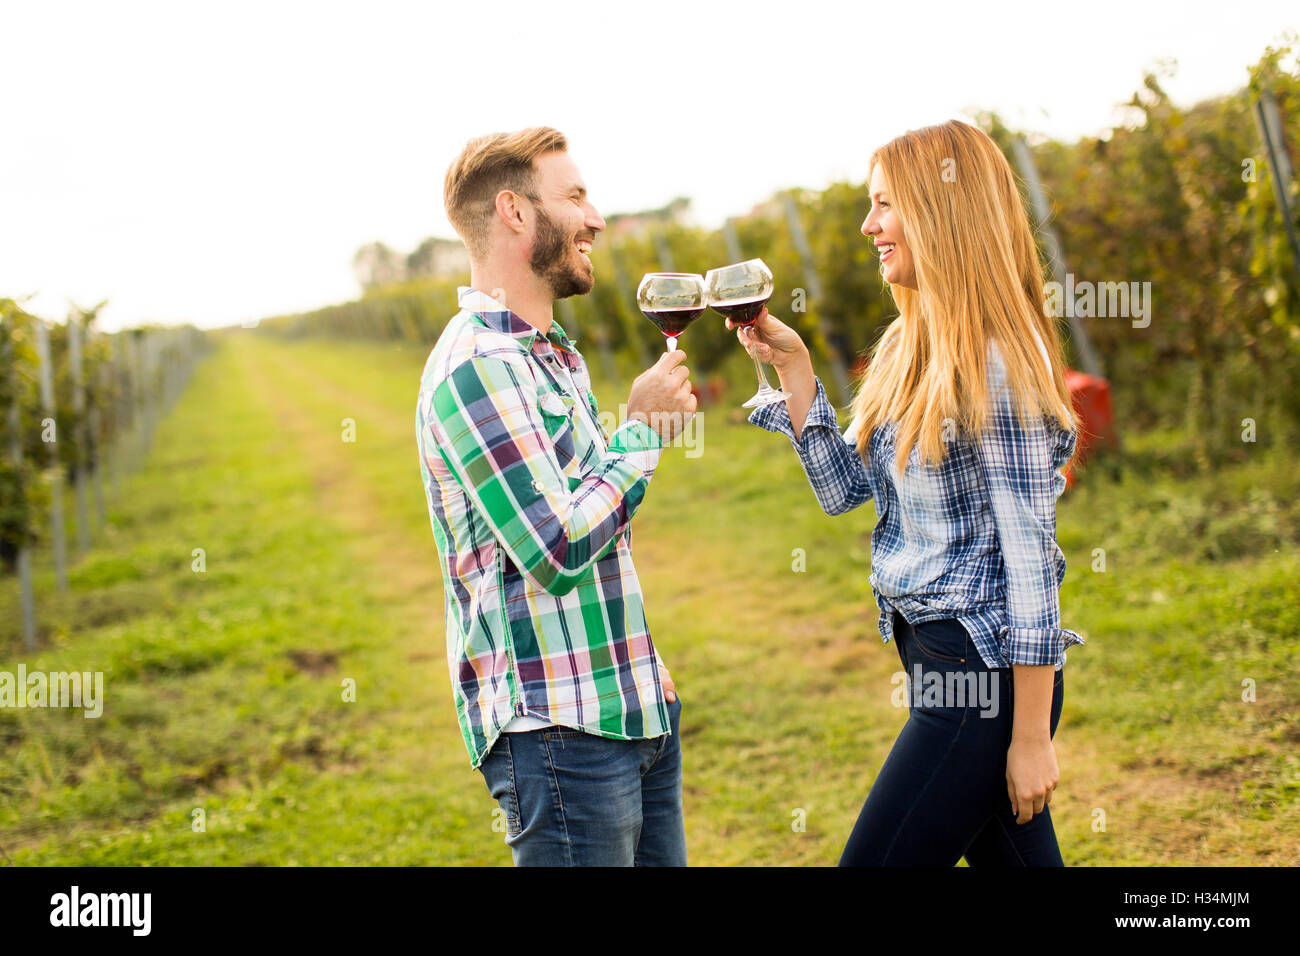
973,538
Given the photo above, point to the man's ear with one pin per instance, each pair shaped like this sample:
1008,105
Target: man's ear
512,210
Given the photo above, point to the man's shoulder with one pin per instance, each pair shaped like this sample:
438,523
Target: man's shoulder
465,338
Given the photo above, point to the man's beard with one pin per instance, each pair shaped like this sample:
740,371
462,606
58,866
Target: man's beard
550,259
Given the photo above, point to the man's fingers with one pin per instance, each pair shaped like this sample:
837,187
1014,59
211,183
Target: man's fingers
671,359
670,689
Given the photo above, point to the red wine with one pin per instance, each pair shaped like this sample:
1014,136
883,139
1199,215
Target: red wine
741,311
673,322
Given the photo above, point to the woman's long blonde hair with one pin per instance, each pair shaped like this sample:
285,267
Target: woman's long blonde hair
978,277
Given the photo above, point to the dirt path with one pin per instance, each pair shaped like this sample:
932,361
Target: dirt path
400,566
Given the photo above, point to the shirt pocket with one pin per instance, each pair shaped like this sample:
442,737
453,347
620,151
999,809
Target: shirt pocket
558,412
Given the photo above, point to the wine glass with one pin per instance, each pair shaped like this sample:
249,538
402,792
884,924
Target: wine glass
739,292
672,301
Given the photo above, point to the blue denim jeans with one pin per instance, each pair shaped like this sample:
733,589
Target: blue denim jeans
942,792
575,799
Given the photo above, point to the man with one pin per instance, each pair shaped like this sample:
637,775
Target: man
563,701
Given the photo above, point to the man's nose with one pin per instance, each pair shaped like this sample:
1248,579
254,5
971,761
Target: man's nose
594,220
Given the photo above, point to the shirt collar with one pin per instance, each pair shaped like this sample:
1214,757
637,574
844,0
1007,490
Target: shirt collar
500,319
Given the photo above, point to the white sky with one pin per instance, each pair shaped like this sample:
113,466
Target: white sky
218,162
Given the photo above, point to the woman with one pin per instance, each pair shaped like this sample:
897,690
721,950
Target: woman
961,422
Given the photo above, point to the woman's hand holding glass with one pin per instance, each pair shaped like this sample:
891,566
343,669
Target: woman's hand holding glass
774,343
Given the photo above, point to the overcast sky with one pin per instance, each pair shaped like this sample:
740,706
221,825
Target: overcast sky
217,162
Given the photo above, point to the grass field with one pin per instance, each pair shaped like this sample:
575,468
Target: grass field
224,689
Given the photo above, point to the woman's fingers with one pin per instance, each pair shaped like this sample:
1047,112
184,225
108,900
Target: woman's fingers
756,349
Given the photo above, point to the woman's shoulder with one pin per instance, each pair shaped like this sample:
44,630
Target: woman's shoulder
998,385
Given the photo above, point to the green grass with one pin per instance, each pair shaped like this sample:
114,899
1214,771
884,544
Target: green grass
224,689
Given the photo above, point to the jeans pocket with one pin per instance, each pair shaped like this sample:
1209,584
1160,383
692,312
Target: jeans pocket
498,769
944,640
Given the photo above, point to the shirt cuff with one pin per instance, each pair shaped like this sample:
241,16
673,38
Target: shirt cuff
776,417
639,443
1036,646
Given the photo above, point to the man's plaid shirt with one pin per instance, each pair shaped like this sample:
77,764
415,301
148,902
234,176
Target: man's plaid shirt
973,538
530,503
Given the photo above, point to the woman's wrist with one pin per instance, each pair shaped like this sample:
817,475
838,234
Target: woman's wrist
799,363
1032,713
797,378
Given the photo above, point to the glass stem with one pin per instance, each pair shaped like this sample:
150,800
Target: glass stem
758,366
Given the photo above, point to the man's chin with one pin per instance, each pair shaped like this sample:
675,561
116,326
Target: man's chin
572,284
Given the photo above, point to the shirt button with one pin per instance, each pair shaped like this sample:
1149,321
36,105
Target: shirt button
538,486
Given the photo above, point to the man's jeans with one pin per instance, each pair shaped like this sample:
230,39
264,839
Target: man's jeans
575,799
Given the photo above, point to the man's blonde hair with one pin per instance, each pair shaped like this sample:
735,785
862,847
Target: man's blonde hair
487,165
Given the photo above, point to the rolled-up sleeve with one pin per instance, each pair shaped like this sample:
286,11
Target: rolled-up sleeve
836,471
1019,463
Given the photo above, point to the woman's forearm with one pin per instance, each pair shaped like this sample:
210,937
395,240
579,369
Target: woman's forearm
1032,771
1032,717
798,379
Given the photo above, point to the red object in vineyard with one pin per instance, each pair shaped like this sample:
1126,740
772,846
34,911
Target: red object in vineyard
715,387
1090,396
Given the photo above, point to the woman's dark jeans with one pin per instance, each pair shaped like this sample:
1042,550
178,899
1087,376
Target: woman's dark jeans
942,792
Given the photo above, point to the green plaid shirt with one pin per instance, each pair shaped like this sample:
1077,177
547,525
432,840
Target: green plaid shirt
530,502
